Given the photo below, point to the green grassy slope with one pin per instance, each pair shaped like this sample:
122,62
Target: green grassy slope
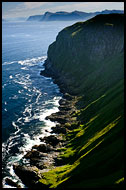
94,155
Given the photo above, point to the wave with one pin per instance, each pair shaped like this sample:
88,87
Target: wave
36,109
32,61
10,76
9,63
28,61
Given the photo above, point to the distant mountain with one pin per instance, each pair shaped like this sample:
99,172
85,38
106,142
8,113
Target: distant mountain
66,16
35,18
111,11
63,16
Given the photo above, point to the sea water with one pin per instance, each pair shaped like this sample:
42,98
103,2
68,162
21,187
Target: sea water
27,97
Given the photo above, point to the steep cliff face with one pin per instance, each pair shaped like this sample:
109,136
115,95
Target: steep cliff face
87,60
87,53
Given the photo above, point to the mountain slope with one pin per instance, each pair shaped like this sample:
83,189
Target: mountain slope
87,60
64,16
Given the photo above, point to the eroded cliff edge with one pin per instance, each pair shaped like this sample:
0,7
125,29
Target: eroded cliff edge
87,61
83,54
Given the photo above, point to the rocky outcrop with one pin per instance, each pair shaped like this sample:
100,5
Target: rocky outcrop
87,60
81,52
44,157
12,183
59,129
25,173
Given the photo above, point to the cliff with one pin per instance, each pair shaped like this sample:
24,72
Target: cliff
85,56
87,60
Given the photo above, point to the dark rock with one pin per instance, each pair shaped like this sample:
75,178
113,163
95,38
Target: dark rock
12,183
63,102
44,73
35,147
58,118
33,153
51,140
46,131
58,129
38,163
60,113
67,96
58,161
28,175
65,108
44,148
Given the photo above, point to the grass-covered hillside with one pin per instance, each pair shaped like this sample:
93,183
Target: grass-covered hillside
87,60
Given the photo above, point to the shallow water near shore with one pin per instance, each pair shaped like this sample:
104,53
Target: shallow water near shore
27,97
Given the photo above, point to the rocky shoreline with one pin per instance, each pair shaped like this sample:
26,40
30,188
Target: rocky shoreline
43,157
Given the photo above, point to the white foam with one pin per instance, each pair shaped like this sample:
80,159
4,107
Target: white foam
19,119
14,97
32,61
9,63
24,68
16,127
17,75
27,115
4,85
44,113
10,76
28,143
19,91
28,62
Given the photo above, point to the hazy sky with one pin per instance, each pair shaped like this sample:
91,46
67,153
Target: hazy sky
26,9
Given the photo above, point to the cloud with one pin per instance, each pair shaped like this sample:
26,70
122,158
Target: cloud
25,9
87,6
34,5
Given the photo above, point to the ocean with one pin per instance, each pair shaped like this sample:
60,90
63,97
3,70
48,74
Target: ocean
27,97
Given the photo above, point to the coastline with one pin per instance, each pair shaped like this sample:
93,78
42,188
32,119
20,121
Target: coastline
43,157
80,151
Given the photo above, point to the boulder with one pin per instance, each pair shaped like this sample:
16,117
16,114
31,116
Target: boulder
33,153
27,174
59,118
53,140
63,102
65,108
58,161
38,163
58,129
44,148
67,96
12,183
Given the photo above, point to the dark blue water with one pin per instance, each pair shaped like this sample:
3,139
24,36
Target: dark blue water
27,97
